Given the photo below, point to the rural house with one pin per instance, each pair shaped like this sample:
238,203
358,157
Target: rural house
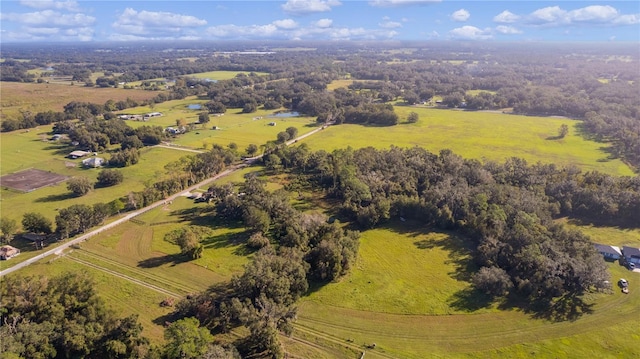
93,162
631,255
609,252
8,252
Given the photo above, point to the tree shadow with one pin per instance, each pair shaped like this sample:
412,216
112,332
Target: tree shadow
56,197
173,259
470,300
567,308
229,240
553,138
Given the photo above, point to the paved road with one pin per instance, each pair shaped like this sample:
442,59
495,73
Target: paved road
128,216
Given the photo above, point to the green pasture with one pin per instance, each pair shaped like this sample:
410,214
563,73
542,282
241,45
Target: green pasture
481,135
409,294
403,270
477,92
233,126
222,75
22,150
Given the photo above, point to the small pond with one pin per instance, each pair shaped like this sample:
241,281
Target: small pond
194,106
285,114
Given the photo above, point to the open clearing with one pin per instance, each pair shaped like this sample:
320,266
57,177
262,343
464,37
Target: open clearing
234,126
480,135
370,306
34,97
222,75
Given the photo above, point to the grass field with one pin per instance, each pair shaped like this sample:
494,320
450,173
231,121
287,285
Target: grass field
234,126
36,97
21,150
408,294
138,250
481,135
222,75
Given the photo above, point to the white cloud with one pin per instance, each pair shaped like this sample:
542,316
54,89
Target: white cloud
461,15
395,3
285,24
508,30
323,23
506,17
157,19
388,24
69,5
627,19
470,33
50,18
319,30
301,7
592,15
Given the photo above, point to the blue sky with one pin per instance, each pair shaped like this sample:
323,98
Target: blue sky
562,20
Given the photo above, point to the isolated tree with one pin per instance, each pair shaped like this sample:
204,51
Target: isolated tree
249,107
186,339
203,117
109,177
36,223
252,149
563,130
188,241
79,186
292,131
283,136
413,117
8,227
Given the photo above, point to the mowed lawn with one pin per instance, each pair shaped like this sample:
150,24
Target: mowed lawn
36,97
400,274
480,135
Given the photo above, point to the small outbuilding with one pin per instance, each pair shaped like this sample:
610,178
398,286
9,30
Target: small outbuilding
8,252
609,252
93,162
78,154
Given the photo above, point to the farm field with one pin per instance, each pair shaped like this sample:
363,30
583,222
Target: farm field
21,150
138,250
370,306
480,135
234,126
36,97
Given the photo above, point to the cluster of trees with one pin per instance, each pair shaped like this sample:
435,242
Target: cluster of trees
506,210
80,186
294,249
63,317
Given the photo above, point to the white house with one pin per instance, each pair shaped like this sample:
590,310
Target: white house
93,162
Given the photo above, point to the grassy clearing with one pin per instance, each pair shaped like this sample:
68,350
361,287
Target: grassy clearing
36,97
222,75
402,271
476,92
234,126
21,150
336,84
369,306
481,135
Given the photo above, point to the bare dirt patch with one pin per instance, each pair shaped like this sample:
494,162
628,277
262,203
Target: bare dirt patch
30,180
